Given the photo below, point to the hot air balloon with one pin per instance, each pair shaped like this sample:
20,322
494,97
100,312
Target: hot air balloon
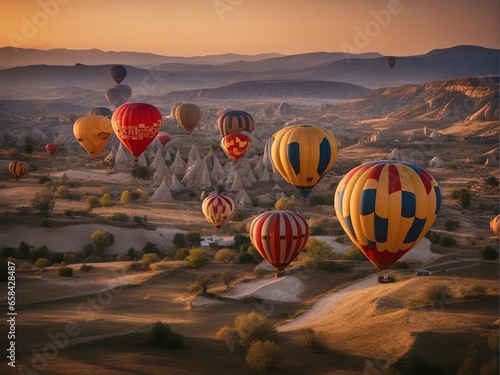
218,209
51,148
93,132
118,94
495,225
172,111
235,122
118,73
303,154
386,207
188,115
136,125
279,236
391,61
236,145
163,138
18,169
101,111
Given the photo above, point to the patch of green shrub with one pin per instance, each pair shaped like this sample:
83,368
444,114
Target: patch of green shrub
86,267
163,336
264,355
64,271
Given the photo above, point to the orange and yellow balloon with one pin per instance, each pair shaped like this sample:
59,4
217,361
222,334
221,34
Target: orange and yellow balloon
218,209
236,145
18,169
303,154
188,115
279,236
495,225
93,132
386,208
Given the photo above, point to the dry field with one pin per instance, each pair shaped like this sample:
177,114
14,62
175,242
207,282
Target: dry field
107,312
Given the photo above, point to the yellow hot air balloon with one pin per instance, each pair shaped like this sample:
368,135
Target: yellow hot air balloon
93,132
386,207
303,154
188,115
18,169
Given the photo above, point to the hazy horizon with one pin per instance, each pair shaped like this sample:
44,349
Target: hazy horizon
213,27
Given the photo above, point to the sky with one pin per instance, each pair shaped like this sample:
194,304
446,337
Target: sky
210,27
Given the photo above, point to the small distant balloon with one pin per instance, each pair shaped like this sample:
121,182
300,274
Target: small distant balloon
118,94
18,169
163,138
391,61
188,115
118,73
235,122
51,148
218,209
236,145
101,111
495,225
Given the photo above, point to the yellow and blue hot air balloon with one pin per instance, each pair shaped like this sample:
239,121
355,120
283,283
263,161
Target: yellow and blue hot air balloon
386,207
303,154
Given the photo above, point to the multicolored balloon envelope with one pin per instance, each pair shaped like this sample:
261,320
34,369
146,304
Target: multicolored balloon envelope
235,122
386,207
188,115
218,209
93,132
303,154
236,145
18,169
495,225
279,236
51,148
136,125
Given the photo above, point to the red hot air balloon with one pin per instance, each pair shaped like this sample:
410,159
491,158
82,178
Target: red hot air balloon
236,145
163,138
118,73
235,122
51,148
136,125
279,236
218,209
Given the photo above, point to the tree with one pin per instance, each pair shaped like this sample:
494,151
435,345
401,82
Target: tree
315,252
44,201
106,200
263,355
201,284
92,202
286,204
126,197
226,277
451,225
355,254
225,256
150,248
102,240
463,196
28,148
140,172
179,240
489,253
162,335
240,239
197,257
253,326
193,238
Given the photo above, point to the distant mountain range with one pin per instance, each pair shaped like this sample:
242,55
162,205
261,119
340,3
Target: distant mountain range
368,70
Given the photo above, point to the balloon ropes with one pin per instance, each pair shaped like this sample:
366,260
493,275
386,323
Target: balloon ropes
386,208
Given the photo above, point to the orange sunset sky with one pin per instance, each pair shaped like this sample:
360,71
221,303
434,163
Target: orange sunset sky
206,27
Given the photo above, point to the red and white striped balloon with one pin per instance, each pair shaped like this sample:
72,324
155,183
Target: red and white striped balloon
279,236
218,209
